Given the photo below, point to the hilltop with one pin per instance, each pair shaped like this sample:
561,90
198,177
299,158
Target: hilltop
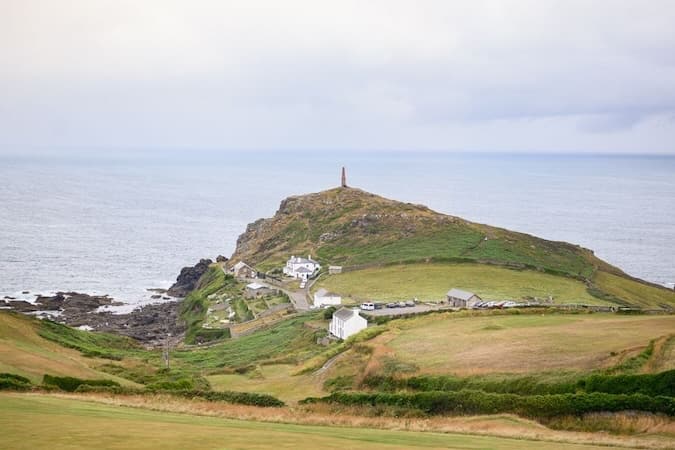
353,228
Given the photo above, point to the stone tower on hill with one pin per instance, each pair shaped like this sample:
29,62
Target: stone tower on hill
344,178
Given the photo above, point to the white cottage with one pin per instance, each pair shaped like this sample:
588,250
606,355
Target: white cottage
301,268
346,322
324,298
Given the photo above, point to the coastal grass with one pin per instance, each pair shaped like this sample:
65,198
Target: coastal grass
279,380
67,422
430,282
24,351
521,343
288,341
639,294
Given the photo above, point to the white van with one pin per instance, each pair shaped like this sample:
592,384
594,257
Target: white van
368,306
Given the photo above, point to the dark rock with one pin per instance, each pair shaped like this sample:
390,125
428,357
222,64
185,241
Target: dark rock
25,292
7,297
156,296
53,303
221,259
21,306
188,277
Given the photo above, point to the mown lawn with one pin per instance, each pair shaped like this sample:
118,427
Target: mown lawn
433,281
30,422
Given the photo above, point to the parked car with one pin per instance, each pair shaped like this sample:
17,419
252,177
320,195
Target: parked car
368,306
392,305
401,304
379,305
410,303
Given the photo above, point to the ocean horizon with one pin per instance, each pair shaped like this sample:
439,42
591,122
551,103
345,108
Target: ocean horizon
127,222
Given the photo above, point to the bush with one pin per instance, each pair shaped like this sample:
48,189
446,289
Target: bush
649,384
328,312
244,398
477,402
70,384
12,382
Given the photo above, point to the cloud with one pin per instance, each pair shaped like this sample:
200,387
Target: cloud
468,75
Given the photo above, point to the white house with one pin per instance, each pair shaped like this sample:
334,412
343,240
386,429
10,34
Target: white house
346,322
324,298
302,268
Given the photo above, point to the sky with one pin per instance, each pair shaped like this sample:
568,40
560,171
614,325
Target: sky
471,76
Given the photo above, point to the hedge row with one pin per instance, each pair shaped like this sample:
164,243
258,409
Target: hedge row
12,382
536,406
70,384
242,398
649,384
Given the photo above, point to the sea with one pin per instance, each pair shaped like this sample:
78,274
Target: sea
123,222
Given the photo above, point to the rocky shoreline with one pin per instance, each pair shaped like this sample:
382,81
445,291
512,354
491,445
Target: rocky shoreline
150,324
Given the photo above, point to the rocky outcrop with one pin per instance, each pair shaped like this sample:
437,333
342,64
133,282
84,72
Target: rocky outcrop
188,278
150,324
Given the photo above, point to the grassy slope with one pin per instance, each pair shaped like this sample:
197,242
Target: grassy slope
67,423
520,343
25,352
432,281
353,228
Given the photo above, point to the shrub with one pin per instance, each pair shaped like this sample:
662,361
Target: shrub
244,398
70,384
477,402
12,382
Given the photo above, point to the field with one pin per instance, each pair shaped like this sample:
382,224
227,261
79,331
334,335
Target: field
636,293
24,352
432,281
524,343
31,421
279,380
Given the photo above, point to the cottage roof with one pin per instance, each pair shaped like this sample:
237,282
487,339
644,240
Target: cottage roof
240,265
303,270
255,286
458,293
343,314
300,260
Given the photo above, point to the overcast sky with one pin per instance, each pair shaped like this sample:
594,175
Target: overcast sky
533,76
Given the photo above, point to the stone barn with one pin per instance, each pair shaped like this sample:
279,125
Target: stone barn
462,299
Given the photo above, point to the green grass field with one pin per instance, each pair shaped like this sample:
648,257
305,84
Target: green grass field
432,281
30,422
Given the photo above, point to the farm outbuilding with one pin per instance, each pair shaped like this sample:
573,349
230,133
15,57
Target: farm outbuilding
324,298
462,299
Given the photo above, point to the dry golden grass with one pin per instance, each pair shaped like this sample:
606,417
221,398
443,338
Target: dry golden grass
24,352
523,343
503,425
277,380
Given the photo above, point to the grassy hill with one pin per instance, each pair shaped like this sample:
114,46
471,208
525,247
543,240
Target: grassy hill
356,229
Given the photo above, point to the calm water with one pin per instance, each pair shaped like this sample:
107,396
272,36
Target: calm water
121,224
